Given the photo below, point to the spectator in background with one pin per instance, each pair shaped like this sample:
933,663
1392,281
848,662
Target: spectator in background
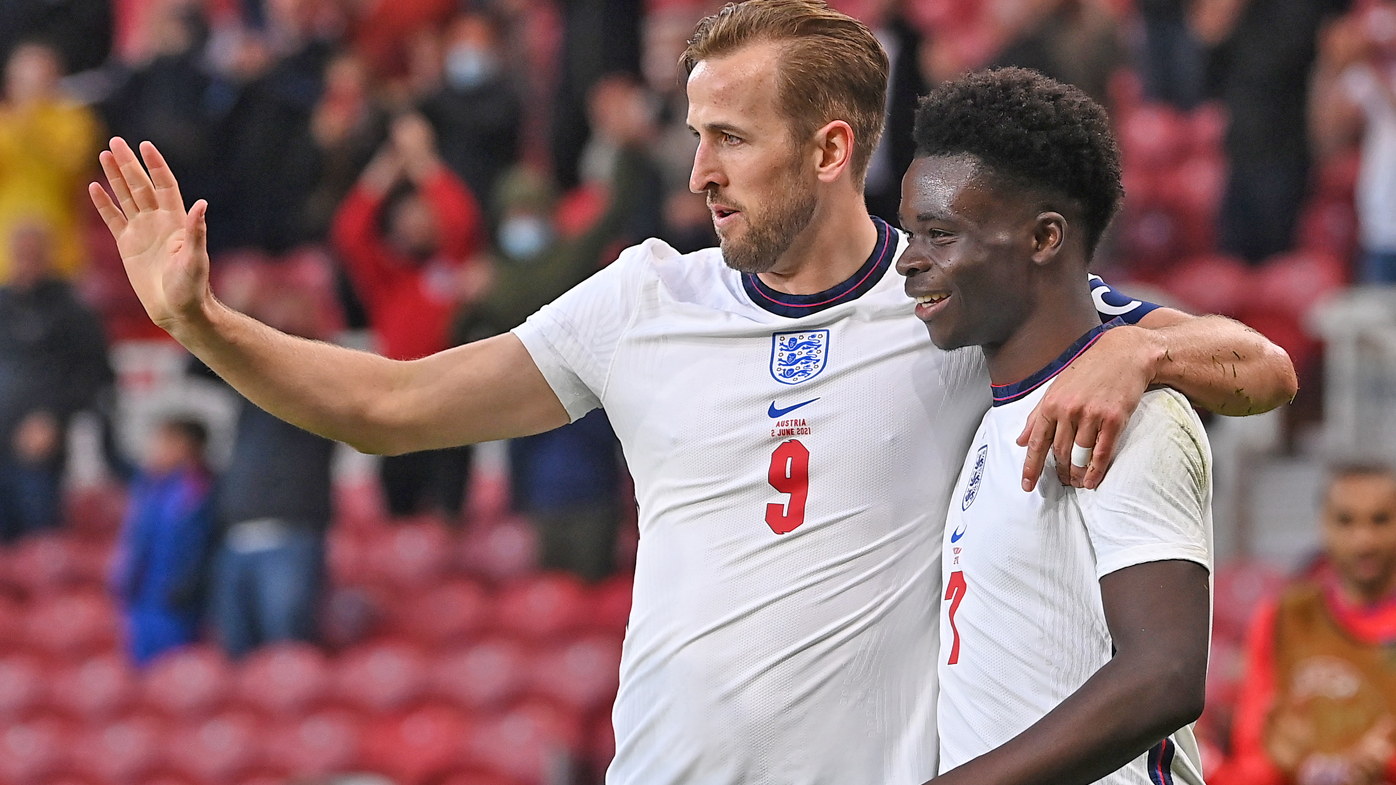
81,30
1354,101
622,113
348,126
600,37
1172,64
53,363
273,508
1072,41
159,576
477,113
567,481
906,85
46,149
412,278
1318,706
269,82
165,96
1260,54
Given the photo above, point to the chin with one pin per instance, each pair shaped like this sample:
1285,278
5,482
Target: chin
945,338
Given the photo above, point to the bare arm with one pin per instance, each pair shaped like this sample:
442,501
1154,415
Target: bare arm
1158,614
487,390
1219,364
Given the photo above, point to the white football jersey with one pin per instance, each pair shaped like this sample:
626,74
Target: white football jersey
1022,622
793,457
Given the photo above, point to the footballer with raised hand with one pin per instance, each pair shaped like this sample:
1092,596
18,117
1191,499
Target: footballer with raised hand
1075,623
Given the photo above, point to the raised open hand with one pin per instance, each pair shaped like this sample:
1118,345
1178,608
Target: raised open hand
163,248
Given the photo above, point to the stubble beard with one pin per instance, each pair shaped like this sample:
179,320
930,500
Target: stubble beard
771,231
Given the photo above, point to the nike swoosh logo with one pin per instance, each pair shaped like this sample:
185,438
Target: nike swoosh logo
957,534
774,412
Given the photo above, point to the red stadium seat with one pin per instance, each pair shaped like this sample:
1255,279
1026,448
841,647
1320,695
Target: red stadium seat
1150,239
50,563
284,679
1207,129
22,687
346,557
602,744
423,744
97,689
1238,590
1329,226
96,512
73,625
525,743
318,745
610,606
11,625
1291,284
448,614
484,676
188,684
410,555
1194,188
543,607
381,677
219,749
33,750
476,778
1336,179
582,674
124,751
350,616
1153,136
1211,284
504,551
70,779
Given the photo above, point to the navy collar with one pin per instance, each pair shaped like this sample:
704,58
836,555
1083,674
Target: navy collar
861,282
1008,393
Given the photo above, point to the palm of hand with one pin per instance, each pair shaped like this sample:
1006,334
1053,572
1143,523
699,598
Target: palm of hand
162,247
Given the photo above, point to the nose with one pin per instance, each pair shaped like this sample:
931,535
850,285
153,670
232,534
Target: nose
912,261
707,173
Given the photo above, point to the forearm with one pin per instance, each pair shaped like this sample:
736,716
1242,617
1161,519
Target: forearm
1091,733
482,392
1221,365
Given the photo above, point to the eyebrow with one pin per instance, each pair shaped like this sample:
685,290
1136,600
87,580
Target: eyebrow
721,128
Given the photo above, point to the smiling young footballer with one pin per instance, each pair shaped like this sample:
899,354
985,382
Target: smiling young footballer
1074,627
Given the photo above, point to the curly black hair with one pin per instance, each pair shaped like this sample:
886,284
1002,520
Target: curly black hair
1032,131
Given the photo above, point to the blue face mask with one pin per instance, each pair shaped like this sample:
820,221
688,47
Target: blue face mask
468,67
524,237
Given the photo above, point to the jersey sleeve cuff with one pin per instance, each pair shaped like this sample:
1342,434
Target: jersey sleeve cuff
575,396
1145,554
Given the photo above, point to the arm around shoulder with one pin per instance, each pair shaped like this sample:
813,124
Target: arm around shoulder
1218,363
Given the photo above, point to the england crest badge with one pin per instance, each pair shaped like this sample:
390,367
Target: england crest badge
798,356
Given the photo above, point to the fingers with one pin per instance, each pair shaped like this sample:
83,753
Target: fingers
1106,438
1038,443
196,228
111,214
142,190
166,187
1061,448
1086,436
118,184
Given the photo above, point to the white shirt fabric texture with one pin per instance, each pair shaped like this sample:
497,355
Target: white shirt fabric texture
792,466
1022,621
1370,86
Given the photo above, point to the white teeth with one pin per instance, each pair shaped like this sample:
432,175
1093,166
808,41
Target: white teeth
932,298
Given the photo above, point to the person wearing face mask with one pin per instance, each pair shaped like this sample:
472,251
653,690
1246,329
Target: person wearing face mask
565,481
477,113
406,234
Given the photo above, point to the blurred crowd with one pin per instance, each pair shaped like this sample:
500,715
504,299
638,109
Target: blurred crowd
429,172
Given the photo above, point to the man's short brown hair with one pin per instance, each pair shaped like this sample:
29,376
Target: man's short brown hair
831,65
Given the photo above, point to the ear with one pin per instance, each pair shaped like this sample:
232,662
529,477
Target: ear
833,146
1048,237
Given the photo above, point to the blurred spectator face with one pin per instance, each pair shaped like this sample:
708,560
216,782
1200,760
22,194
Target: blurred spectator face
412,228
759,182
171,448
666,33
172,26
472,52
1359,531
32,74
31,254
620,110
524,234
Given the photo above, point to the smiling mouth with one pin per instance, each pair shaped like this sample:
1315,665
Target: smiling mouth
931,299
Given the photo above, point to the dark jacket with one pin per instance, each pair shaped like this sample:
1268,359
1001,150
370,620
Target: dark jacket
277,471
53,356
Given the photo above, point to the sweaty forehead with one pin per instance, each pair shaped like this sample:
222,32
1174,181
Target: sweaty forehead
948,188
738,89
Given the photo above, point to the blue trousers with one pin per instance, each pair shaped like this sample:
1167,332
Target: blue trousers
268,595
151,632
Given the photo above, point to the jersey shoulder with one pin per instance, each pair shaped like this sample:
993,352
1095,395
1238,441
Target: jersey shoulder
1165,434
699,277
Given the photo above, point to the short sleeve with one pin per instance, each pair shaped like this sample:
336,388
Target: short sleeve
573,339
1154,503
1111,305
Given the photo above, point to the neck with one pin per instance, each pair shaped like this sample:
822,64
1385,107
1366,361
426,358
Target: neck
839,239
1359,593
1059,315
